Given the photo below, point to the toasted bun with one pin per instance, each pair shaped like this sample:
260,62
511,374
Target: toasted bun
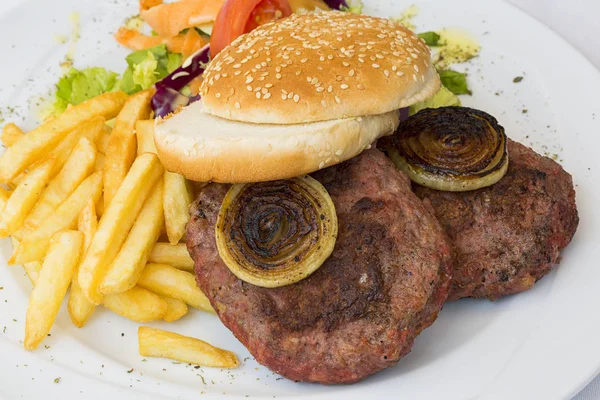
206,148
319,67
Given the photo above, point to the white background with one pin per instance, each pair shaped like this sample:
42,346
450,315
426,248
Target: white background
575,20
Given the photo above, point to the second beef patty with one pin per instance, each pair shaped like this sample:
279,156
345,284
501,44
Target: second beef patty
508,236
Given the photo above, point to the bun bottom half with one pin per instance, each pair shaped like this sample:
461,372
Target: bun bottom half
206,148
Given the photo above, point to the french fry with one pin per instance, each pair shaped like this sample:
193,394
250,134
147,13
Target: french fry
24,198
11,134
177,200
79,307
51,287
122,144
87,223
137,304
32,269
175,255
39,141
79,166
177,309
170,282
144,130
100,207
90,129
4,195
99,165
102,142
127,267
34,246
158,343
116,222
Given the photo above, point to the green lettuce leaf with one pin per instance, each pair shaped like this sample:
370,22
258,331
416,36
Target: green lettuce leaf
354,6
430,38
456,82
78,86
443,98
146,67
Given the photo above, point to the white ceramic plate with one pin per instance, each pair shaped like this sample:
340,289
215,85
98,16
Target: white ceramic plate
542,344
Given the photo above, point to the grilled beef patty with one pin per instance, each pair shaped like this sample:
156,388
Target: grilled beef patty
359,313
506,237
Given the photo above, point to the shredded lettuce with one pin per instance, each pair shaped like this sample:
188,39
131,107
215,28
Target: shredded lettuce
78,86
455,81
355,6
443,98
430,38
144,69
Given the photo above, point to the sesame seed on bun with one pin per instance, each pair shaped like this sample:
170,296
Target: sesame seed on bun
317,67
295,96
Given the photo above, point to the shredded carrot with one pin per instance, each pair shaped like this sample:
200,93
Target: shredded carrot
135,40
208,14
187,43
195,85
169,19
193,42
148,4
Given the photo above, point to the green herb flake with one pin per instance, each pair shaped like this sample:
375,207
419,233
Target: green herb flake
431,38
130,370
517,79
454,81
525,111
57,380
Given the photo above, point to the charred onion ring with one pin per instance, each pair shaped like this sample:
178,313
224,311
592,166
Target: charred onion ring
451,149
273,234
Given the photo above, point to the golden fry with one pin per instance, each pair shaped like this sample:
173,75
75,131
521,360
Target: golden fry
171,282
32,269
11,134
158,343
102,142
144,130
175,255
87,223
99,165
116,222
79,307
79,166
24,198
177,200
137,304
177,309
89,129
34,246
121,149
127,267
4,195
51,287
39,141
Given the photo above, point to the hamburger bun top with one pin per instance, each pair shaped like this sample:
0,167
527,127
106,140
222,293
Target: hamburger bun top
317,67
295,96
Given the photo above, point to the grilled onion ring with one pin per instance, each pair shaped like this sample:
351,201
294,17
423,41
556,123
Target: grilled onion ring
273,234
452,149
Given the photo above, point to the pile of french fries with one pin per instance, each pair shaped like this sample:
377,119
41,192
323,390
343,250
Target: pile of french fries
90,208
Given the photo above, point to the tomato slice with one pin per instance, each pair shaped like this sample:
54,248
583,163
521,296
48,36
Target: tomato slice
241,16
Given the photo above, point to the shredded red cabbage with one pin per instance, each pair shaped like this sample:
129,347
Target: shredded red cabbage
354,6
168,96
337,4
